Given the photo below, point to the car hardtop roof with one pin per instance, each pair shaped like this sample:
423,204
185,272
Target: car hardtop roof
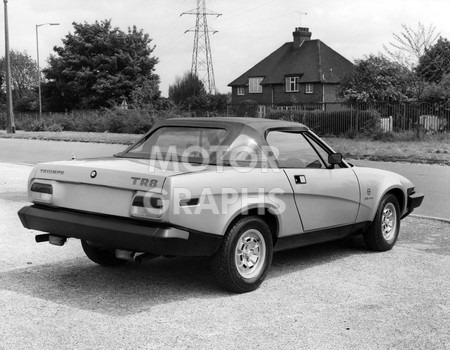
258,124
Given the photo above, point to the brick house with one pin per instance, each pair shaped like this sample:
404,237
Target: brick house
303,71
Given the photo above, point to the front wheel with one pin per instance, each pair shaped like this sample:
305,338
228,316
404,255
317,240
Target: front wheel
100,255
245,257
383,232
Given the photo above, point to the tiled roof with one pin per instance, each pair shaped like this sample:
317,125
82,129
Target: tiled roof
313,61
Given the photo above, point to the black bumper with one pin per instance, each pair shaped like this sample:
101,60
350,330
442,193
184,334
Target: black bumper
414,201
120,233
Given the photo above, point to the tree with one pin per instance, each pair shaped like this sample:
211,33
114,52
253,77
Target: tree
187,90
409,45
100,66
146,94
24,76
376,79
189,94
435,63
437,92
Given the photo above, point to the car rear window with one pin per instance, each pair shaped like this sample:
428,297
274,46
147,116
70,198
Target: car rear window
179,144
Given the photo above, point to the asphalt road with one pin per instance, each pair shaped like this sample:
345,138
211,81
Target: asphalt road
37,151
432,180
328,296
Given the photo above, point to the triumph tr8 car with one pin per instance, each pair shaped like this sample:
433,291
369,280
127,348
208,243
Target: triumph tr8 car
233,189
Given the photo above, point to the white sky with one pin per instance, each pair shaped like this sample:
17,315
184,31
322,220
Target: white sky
248,30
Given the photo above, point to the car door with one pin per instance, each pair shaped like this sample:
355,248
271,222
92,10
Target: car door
326,196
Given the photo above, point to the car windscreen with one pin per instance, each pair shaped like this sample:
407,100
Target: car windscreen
173,143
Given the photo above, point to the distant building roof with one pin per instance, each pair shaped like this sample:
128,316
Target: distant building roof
311,60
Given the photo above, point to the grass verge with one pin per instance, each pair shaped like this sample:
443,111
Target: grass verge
73,136
433,150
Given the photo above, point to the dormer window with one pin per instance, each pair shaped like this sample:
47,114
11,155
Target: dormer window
292,84
254,85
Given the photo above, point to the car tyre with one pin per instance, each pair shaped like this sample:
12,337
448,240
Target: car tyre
245,256
101,256
383,231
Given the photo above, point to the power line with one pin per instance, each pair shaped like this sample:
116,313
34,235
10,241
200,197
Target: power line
202,65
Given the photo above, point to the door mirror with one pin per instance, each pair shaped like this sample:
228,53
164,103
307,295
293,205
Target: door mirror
335,158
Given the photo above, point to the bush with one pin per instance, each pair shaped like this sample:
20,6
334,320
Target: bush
131,121
114,120
30,124
65,120
372,124
247,108
351,134
54,127
33,124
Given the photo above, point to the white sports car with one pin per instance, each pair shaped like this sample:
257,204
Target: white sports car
233,189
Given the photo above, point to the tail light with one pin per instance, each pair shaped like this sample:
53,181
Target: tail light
41,192
148,205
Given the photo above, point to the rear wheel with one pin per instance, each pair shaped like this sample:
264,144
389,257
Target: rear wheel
383,232
245,257
100,255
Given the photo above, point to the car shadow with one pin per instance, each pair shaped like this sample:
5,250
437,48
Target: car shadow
311,256
135,288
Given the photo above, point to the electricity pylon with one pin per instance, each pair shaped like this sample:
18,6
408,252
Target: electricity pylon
202,65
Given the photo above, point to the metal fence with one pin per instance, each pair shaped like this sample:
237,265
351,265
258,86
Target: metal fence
340,118
326,118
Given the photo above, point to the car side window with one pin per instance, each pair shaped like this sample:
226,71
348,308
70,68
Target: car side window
322,153
293,150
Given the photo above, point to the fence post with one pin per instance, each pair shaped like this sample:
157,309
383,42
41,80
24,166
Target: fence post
404,117
351,118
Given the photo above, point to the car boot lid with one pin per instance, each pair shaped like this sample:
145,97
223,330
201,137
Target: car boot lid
135,174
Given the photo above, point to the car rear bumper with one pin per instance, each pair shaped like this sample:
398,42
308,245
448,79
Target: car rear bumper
119,233
414,201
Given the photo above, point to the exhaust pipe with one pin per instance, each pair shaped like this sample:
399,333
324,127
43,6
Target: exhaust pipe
42,238
57,240
52,239
124,254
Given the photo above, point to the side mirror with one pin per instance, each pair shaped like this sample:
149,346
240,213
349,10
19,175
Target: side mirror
334,158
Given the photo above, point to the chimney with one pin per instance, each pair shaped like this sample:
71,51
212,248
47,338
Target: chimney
300,35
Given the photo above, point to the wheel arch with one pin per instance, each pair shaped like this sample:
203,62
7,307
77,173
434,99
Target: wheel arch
265,213
400,195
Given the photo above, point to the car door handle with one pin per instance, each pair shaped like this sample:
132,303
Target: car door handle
300,179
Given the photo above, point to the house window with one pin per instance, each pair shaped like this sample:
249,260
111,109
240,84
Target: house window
309,89
254,85
241,90
292,84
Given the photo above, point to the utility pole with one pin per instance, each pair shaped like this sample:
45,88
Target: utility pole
202,65
10,126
